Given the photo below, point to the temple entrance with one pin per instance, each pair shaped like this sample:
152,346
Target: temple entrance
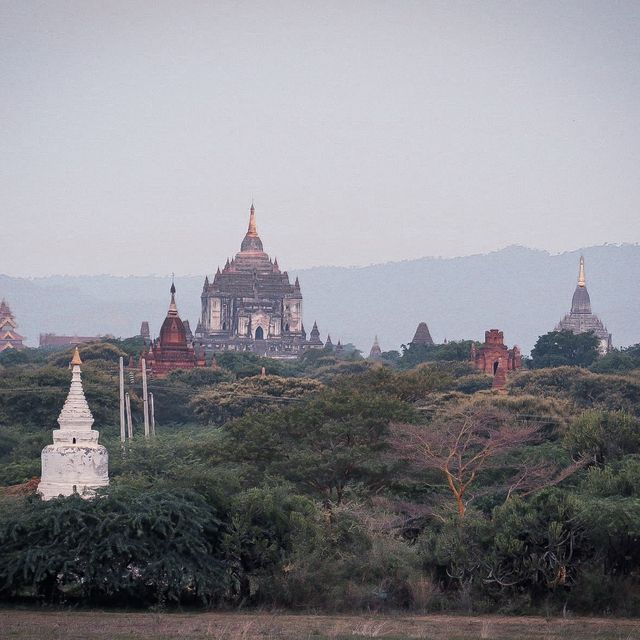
259,334
495,367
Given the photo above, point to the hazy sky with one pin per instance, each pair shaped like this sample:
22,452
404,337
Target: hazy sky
134,134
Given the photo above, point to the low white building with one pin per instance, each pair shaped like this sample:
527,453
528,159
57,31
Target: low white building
75,462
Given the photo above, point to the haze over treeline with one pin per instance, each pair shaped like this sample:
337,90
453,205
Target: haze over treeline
522,291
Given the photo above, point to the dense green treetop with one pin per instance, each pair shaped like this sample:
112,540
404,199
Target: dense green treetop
564,348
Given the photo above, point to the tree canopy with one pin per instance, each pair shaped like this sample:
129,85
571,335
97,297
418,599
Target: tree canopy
564,348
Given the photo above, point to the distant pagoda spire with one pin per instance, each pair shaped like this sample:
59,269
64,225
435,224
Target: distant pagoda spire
9,337
581,302
252,242
314,336
253,230
173,308
582,281
581,319
376,351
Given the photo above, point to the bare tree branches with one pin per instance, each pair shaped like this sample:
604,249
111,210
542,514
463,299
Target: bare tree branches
463,444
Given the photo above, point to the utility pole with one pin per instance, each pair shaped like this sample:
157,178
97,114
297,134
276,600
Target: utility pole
145,398
153,415
123,435
129,424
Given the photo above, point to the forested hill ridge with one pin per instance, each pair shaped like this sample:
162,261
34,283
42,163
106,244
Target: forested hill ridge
522,291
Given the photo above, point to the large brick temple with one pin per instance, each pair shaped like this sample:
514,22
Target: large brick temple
251,305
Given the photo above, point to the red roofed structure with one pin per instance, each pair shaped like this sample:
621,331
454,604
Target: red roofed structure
172,350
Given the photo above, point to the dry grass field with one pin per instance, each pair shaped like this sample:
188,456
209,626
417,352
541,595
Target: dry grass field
100,625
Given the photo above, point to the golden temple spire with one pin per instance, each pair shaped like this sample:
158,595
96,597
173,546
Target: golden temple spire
76,358
582,282
253,231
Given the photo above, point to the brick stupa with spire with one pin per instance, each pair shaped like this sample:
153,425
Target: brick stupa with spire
75,462
422,336
376,351
172,350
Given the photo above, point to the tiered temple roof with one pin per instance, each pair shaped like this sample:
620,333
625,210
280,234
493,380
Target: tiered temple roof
581,319
9,337
251,272
251,305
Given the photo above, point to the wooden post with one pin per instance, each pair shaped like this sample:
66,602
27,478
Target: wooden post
153,415
123,434
145,398
129,423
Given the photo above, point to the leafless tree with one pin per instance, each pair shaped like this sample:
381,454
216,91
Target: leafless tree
462,444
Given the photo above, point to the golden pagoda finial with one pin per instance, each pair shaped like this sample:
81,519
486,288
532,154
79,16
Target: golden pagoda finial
582,282
76,361
253,231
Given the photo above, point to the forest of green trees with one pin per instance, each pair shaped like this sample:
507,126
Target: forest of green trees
336,483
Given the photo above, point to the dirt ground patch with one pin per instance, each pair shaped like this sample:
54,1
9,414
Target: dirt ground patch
100,625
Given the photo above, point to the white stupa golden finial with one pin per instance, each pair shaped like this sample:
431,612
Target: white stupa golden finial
75,413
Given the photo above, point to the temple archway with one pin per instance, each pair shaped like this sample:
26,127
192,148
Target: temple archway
259,334
495,367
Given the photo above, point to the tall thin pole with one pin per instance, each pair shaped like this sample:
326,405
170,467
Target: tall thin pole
129,423
145,398
153,415
123,434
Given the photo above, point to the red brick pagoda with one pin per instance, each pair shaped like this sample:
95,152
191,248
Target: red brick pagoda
172,351
494,358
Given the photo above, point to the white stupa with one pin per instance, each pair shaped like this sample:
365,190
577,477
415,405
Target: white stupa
75,462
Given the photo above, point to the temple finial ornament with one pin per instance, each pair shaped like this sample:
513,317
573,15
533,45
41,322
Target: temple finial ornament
582,281
173,308
253,231
76,361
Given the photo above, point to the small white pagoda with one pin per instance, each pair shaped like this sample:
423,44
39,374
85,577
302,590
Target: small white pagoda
75,462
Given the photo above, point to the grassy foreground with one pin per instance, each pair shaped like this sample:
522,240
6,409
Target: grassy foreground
99,625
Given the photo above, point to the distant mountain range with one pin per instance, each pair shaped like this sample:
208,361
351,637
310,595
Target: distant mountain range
522,291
